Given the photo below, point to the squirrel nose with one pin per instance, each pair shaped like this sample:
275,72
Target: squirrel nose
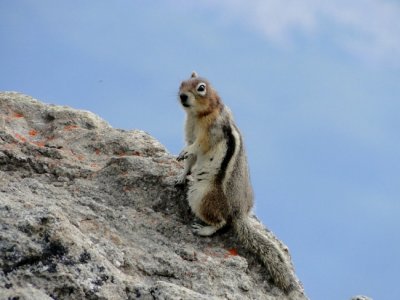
183,97
184,100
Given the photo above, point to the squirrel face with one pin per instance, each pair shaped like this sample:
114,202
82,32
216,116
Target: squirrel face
197,96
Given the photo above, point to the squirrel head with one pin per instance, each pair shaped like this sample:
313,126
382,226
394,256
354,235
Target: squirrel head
198,97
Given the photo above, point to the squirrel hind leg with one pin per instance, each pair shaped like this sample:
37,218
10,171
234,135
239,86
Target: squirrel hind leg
207,230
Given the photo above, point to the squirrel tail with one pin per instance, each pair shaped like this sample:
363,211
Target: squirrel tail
269,253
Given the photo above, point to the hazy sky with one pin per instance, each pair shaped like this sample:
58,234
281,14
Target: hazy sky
314,86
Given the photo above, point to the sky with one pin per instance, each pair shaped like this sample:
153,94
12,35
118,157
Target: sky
314,86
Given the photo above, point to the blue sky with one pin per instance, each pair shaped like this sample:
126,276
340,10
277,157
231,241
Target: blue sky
314,86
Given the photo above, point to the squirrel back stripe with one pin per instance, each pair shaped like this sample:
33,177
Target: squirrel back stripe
230,144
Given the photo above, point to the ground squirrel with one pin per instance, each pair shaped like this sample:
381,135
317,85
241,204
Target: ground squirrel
221,193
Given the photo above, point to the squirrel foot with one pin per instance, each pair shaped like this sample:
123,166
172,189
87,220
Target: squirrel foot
204,230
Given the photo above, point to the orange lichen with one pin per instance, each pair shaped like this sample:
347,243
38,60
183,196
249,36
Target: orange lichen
18,115
233,252
39,144
20,137
33,132
70,127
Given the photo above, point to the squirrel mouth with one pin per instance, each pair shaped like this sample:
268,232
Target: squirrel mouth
185,104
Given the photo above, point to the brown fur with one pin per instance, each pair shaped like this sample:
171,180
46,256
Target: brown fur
205,123
209,108
213,209
212,105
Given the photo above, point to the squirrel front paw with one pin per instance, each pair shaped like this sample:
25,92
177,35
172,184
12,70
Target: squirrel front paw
184,155
181,180
181,156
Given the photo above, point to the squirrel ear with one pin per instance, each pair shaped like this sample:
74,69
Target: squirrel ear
194,75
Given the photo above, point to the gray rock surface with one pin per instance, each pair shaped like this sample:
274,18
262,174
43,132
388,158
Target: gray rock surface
360,297
91,212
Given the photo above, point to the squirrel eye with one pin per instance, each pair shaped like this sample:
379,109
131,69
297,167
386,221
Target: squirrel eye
201,89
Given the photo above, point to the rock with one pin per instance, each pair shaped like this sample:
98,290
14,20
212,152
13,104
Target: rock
360,297
91,212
